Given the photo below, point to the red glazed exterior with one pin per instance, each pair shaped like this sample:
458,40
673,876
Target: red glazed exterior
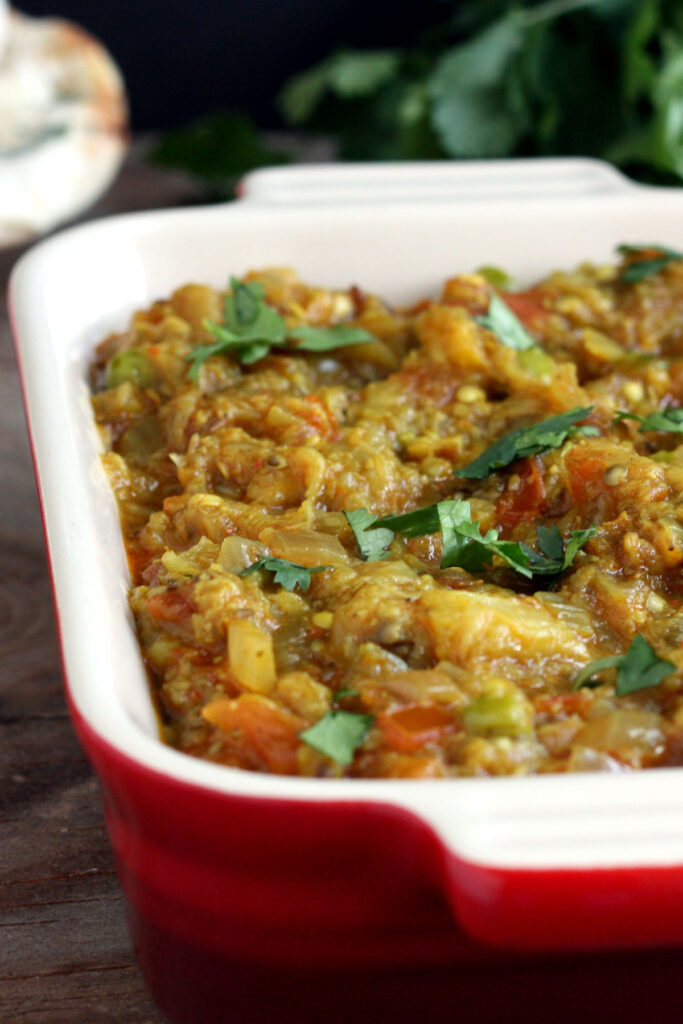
218,884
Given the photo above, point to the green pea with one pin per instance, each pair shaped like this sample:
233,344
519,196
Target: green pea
132,365
535,361
498,716
495,276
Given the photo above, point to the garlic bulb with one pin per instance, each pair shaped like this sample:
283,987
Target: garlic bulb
62,123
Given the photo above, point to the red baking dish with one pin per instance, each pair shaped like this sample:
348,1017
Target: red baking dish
230,875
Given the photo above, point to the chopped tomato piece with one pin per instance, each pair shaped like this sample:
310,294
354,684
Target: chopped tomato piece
527,306
587,485
320,417
525,499
562,703
171,605
265,737
409,728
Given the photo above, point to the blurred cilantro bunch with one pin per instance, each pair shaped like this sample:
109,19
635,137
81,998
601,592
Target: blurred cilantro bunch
498,78
560,77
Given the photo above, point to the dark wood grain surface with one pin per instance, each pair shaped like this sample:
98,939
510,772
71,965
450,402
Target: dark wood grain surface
65,956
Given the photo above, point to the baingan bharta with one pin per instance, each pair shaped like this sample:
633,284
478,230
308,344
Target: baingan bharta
426,542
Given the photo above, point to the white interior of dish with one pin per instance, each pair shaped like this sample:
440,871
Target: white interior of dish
69,291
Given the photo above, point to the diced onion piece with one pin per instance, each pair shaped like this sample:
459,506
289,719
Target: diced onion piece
239,553
304,695
628,734
305,547
424,684
407,729
251,658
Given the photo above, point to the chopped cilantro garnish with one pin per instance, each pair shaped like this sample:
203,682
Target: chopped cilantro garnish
326,339
540,437
251,328
288,574
555,556
463,543
638,669
502,321
372,543
414,524
345,694
653,259
465,546
669,420
338,734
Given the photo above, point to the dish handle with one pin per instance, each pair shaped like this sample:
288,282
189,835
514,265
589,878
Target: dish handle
575,862
446,180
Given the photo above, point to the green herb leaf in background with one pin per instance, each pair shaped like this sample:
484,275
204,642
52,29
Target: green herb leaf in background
217,150
288,574
495,79
338,734
508,329
346,74
540,437
638,669
562,77
474,112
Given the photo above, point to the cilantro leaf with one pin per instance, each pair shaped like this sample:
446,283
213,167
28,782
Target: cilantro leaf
638,669
464,545
325,339
288,574
508,329
247,317
371,545
653,259
338,734
251,328
243,307
553,557
345,693
540,437
668,420
414,524
641,668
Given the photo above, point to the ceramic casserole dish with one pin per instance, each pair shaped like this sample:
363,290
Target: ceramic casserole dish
232,866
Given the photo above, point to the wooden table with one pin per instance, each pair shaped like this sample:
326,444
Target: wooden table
65,956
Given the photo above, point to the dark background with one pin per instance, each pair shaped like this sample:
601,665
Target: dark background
182,59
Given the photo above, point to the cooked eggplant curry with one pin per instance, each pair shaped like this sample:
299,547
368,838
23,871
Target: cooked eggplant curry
429,542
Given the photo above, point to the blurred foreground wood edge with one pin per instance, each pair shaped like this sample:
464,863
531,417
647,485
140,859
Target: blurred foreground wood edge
65,955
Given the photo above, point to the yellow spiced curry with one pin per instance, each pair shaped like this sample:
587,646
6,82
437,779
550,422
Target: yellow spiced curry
429,542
